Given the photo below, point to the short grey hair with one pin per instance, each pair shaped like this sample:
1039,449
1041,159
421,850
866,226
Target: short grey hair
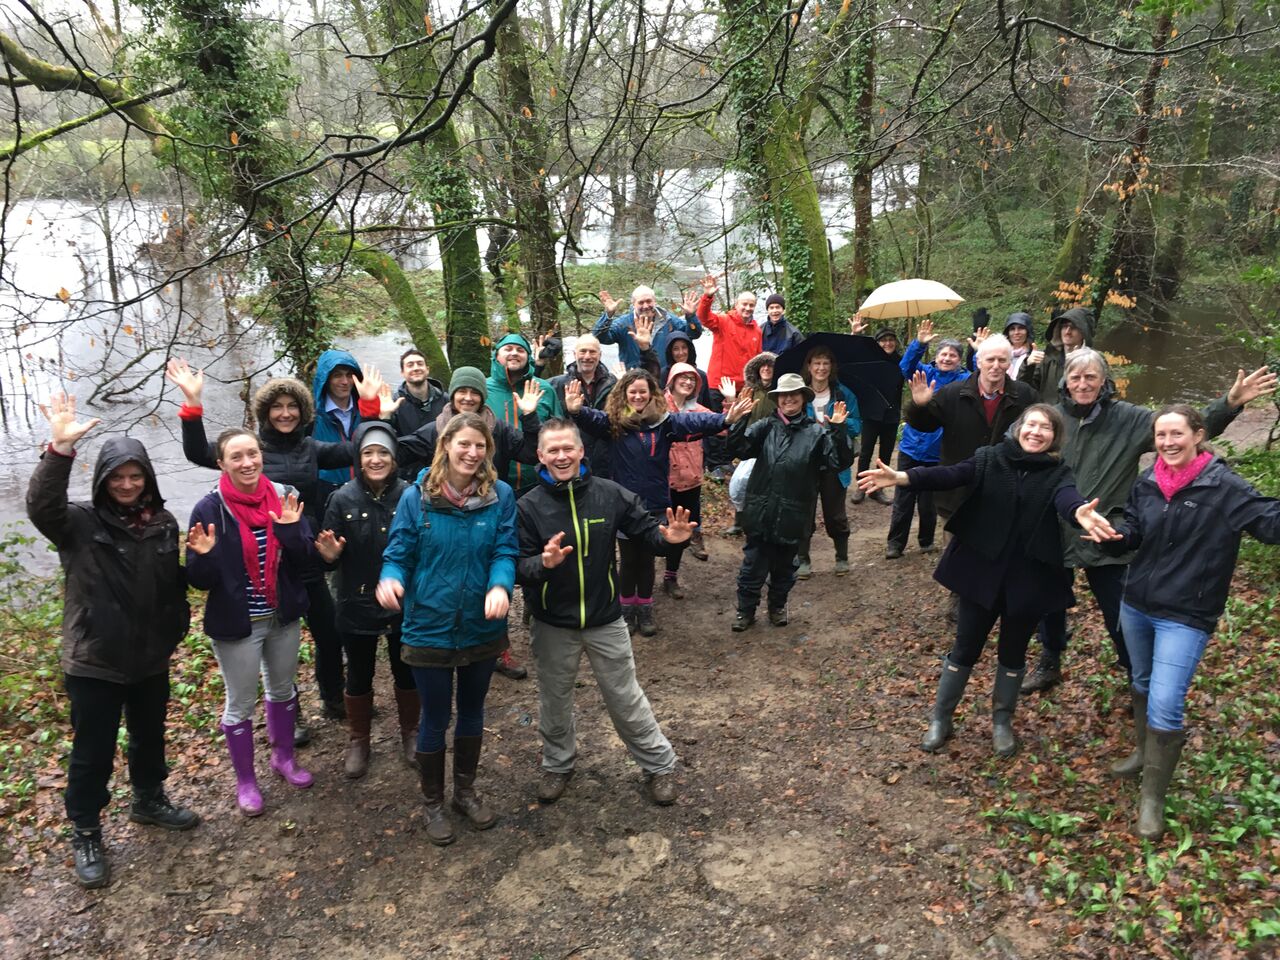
586,340
997,341
1086,356
635,294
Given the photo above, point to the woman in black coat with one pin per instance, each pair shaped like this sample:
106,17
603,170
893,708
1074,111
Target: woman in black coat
124,612
1005,557
356,522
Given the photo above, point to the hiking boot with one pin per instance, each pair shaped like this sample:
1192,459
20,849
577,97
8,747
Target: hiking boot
671,587
466,760
629,616
736,529
408,712
1046,675
431,779
154,808
359,720
742,621
951,686
1160,758
859,495
697,547
92,869
804,570
882,498
662,788
644,619
508,667
928,548
551,785
778,616
333,709
1130,768
1004,699
892,551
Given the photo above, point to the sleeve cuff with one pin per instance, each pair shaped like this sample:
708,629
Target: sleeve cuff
186,412
58,453
370,409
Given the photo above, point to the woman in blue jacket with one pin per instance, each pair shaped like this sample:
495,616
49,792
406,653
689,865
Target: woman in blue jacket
820,376
640,430
451,556
919,448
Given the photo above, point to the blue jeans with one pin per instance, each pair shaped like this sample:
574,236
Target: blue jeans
435,688
1165,655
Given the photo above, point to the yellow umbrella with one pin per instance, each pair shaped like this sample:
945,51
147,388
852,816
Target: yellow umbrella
909,298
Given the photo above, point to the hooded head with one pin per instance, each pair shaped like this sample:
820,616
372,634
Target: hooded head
887,333
1020,319
679,336
751,372
115,453
1079,317
271,391
329,361
512,374
677,369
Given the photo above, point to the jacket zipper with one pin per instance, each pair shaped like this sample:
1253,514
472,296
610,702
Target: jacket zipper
582,585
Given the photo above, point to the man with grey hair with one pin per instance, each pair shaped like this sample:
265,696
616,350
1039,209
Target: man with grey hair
620,329
1105,440
597,383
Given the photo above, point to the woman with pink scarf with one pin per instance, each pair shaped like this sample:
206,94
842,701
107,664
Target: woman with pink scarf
1184,517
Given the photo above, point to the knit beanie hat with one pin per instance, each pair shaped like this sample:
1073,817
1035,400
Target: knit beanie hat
775,298
468,377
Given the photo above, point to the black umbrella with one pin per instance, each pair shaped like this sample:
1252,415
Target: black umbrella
861,365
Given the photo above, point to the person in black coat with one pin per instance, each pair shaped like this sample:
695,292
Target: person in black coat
351,542
124,612
1005,557
1185,517
421,397
596,383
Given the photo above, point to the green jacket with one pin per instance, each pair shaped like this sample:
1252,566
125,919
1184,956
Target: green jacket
1103,449
502,390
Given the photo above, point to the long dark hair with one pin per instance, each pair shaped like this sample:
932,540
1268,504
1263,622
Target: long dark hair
616,405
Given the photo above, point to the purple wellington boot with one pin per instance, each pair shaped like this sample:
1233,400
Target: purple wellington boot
240,746
280,721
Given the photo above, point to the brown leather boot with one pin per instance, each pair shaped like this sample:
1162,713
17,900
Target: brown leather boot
359,718
466,759
431,770
409,710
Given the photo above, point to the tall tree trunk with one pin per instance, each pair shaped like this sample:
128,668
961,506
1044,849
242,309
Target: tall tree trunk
861,79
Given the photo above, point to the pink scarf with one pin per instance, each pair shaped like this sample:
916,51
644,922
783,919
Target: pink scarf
458,497
1171,480
254,510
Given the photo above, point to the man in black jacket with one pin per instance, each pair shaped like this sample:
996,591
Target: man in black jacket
423,398
597,383
569,523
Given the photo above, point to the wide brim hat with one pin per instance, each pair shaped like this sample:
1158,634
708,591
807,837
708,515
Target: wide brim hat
792,383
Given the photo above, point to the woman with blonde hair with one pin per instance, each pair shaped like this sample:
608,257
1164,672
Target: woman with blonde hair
450,561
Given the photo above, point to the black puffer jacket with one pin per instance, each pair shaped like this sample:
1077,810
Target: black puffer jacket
1187,546
292,459
789,457
125,607
364,518
582,591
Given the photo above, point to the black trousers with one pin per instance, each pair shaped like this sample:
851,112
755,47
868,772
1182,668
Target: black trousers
96,706
882,432
973,626
761,561
715,451
691,500
835,516
905,503
322,622
1107,584
362,662
635,570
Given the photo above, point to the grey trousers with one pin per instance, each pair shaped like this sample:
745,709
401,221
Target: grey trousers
557,652
270,647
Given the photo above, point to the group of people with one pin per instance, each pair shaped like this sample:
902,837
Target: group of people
404,520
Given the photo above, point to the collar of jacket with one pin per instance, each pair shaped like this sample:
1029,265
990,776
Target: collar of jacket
1210,476
473,502
562,487
970,387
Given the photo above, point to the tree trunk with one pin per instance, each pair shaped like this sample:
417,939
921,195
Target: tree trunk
861,94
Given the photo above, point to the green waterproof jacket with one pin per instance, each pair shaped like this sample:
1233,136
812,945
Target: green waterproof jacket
502,391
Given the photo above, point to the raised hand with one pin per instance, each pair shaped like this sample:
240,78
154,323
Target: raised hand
925,334
66,431
857,325
869,481
369,385
329,546
387,402
978,336
690,302
191,382
643,333
678,528
728,389
839,413
921,388
1094,524
1035,356
200,540
553,554
572,397
1257,384
388,593
528,401
496,603
739,408
709,285
609,303
290,510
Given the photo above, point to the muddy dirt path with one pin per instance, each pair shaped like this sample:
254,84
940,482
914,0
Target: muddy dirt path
808,825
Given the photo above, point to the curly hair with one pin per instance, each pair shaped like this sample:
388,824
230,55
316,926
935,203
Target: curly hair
486,475
616,405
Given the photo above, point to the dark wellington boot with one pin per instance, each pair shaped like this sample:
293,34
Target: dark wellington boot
951,684
466,760
409,712
1130,768
1004,700
431,770
359,720
1161,755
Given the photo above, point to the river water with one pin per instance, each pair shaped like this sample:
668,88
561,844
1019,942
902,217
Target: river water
64,325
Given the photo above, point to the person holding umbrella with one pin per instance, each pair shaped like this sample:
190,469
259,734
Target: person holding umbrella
882,430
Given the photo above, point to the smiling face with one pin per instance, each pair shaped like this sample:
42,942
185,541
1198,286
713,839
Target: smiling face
766,373
948,359
1176,442
644,303
465,451
888,343
241,460
992,368
684,386
1084,384
284,414
790,404
745,304
775,311
679,351
1072,336
376,464
638,393
513,356
126,483
467,400
340,384
1036,433
820,369
587,356
560,451
414,369
1017,335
